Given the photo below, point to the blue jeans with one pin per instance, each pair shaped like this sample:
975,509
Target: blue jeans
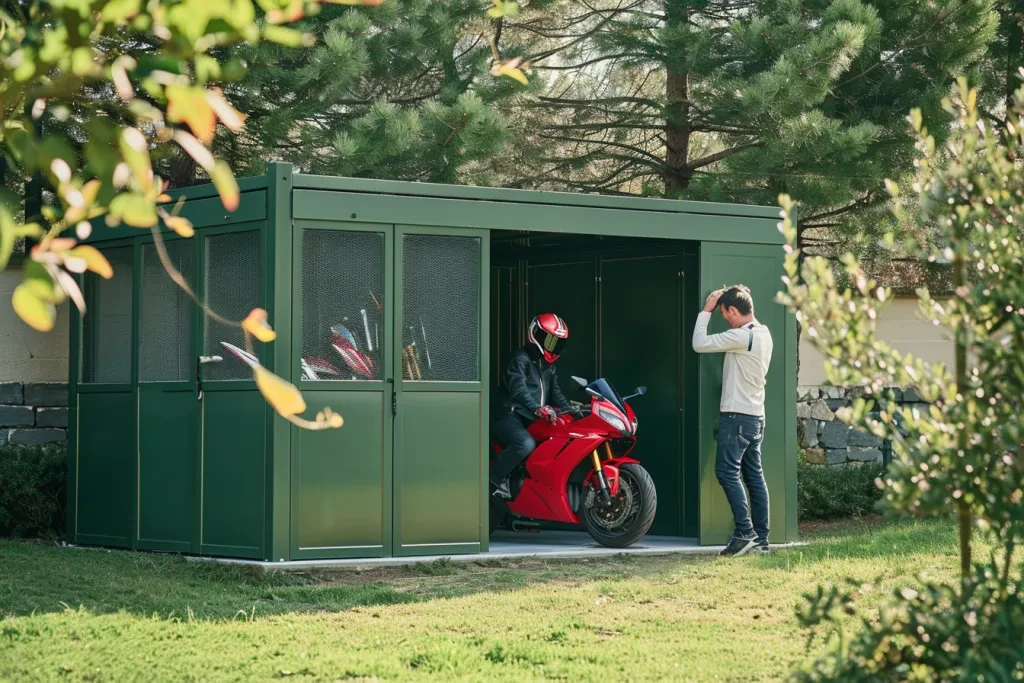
739,455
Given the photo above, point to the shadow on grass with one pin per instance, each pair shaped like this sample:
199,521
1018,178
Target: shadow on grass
37,578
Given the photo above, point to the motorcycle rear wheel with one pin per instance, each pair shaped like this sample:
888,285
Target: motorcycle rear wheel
630,514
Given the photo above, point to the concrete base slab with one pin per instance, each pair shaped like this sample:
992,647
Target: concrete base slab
542,545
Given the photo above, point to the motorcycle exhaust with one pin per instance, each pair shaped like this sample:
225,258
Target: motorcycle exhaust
522,525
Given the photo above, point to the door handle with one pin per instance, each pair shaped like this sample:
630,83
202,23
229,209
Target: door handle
394,397
200,362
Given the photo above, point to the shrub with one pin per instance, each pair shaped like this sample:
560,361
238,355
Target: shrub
33,493
826,493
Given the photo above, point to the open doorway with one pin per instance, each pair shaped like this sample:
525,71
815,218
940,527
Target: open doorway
629,304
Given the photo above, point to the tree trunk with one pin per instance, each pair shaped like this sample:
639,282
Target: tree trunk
677,112
964,516
1014,43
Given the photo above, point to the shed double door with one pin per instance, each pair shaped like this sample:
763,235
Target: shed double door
388,334
201,425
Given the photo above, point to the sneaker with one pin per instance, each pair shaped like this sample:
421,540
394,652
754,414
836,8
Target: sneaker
738,546
501,490
761,547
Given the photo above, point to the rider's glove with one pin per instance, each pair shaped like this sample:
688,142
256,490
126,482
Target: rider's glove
548,413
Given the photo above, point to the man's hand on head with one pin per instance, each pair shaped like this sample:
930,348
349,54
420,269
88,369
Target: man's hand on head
711,303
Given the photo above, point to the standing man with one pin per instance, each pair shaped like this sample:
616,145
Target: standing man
748,351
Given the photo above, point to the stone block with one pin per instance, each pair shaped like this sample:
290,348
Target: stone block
812,394
833,392
803,410
865,454
16,416
37,437
52,417
821,411
864,439
811,433
47,395
835,435
12,393
815,456
835,404
836,456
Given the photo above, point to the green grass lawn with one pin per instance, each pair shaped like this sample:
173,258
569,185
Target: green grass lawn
113,616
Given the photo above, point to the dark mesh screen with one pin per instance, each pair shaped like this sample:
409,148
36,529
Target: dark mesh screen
232,290
165,321
342,305
440,308
107,325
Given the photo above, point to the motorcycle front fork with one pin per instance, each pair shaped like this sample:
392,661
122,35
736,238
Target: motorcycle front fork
602,481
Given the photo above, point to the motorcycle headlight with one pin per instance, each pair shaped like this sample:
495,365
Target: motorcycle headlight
614,420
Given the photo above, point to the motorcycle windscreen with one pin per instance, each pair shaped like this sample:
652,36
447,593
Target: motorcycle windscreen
605,389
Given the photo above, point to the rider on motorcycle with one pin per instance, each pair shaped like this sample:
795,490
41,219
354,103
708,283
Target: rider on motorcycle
528,391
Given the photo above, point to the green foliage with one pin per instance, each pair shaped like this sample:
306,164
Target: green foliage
828,493
962,456
737,101
33,492
402,91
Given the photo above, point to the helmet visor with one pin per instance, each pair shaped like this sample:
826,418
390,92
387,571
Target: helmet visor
550,343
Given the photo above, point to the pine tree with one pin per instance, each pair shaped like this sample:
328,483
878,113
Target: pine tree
739,100
399,91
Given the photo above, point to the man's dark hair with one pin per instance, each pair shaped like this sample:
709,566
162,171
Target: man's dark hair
738,297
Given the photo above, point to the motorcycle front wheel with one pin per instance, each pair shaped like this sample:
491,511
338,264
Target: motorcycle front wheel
630,514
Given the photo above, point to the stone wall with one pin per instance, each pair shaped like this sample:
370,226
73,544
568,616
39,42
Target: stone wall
33,414
826,440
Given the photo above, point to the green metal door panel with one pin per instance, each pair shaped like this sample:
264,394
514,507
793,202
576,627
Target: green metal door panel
640,346
168,491
233,470
106,469
760,268
504,331
568,290
340,479
438,447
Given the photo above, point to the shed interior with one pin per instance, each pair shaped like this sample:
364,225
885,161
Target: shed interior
626,301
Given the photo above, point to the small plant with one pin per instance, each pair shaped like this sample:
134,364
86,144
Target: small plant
827,493
33,494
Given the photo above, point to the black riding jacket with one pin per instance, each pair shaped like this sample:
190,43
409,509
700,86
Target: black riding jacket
529,383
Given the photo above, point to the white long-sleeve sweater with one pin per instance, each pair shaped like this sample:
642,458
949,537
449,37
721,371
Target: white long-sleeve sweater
748,352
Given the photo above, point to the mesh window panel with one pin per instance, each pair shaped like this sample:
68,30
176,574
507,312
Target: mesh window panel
232,291
440,308
342,305
165,321
107,324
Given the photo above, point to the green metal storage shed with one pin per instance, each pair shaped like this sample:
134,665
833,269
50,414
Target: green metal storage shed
170,454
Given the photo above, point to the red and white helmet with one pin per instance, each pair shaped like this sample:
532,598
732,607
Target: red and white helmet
548,333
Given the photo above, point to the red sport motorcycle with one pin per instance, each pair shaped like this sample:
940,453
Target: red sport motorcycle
581,471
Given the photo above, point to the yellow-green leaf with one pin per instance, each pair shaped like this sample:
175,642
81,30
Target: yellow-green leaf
503,9
256,324
227,187
510,70
288,37
282,396
189,106
94,260
181,226
37,314
134,209
135,152
117,11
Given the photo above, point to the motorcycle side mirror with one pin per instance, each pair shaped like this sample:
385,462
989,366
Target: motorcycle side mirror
641,390
580,381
